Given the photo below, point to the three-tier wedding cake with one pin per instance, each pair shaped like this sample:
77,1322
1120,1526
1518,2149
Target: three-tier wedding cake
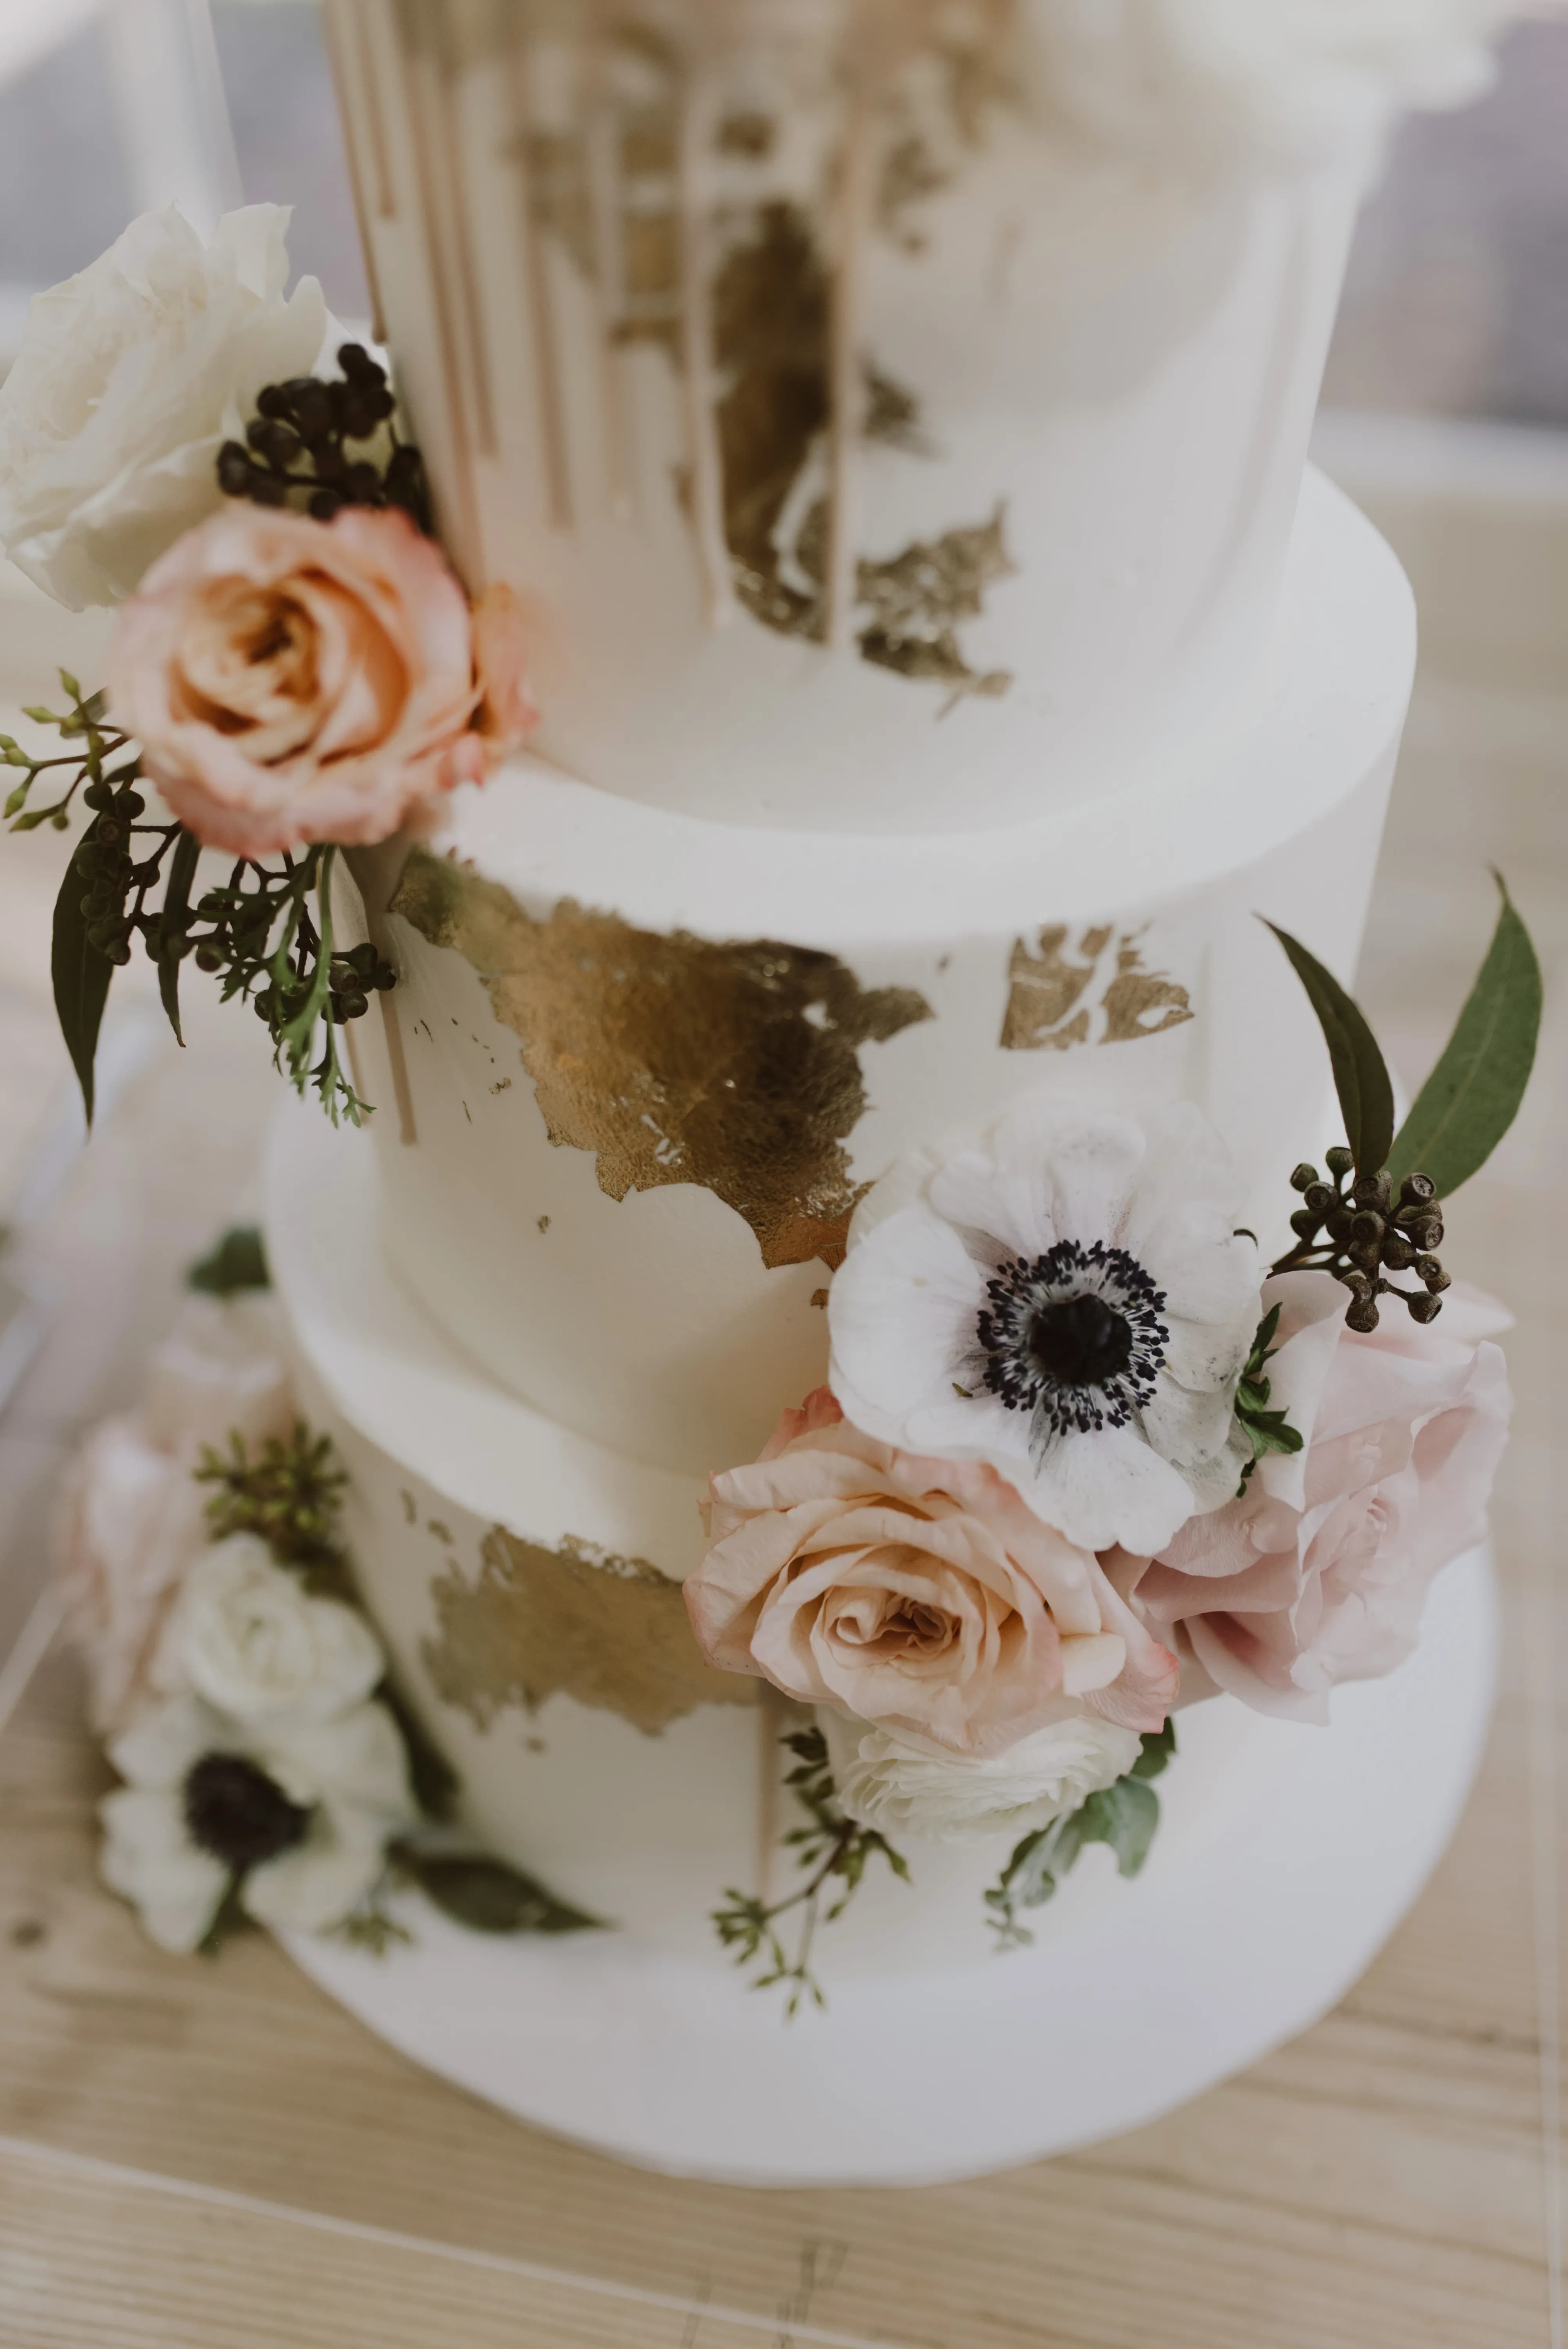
846,1365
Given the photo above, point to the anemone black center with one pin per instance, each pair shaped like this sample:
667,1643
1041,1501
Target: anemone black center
1074,1338
239,1814
1079,1341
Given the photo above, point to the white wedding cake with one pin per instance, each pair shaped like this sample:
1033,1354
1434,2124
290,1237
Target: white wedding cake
807,767
894,423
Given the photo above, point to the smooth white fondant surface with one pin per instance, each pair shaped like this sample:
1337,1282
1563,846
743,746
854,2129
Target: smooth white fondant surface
1122,360
651,1323
1164,1989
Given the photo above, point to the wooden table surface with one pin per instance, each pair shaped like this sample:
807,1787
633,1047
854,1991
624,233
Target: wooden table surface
210,2156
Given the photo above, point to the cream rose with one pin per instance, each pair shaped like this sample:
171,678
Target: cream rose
1319,1572
130,377
132,1518
886,1782
248,1640
919,1595
292,680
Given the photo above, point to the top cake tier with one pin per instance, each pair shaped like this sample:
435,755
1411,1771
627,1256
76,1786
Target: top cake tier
880,439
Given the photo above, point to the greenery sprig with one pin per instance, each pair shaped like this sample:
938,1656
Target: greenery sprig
290,1492
1124,1815
830,1848
266,932
1378,1213
1266,1430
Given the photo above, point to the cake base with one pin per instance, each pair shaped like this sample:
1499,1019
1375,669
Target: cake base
1174,1986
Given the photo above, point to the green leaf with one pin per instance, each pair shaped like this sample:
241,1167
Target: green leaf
435,1782
488,1896
19,799
173,924
72,688
1158,1749
1360,1073
31,819
239,1261
81,973
1472,1096
1124,1816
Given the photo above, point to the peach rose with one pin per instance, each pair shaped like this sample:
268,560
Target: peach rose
920,1595
1319,1572
292,680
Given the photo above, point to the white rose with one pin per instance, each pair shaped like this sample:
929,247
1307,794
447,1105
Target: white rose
297,1814
887,1782
248,1638
130,377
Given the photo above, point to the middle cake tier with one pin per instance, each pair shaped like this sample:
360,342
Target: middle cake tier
638,1068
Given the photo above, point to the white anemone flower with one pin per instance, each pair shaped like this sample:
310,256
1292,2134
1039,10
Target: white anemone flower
1068,1296
295,1814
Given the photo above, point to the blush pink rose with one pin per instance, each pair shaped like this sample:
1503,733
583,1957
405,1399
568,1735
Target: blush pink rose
1319,1572
292,680
132,1518
922,1594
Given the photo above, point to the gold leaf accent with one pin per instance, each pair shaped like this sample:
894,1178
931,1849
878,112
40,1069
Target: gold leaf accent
771,336
610,1632
1061,993
676,1060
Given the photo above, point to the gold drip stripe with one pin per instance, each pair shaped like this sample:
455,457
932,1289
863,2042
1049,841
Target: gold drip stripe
609,286
419,99
550,407
447,144
696,353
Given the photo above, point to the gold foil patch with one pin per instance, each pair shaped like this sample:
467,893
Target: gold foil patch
610,1632
675,1059
1091,988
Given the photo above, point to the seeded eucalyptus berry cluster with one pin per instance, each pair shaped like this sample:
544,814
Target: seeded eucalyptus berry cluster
1355,1228
320,447
1378,1213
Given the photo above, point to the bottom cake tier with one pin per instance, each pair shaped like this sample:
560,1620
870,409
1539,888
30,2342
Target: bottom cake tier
503,1559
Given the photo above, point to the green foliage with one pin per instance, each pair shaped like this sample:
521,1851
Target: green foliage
371,1929
238,1262
486,1895
1360,1073
265,933
1472,1096
81,968
1124,1815
434,1783
1266,1430
290,1493
829,1849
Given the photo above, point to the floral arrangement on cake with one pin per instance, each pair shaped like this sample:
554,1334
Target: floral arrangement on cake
1083,1460
295,668
271,1773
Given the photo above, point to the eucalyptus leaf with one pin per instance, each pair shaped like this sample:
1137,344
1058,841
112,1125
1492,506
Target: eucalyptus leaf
1158,1749
173,921
239,1261
1472,1096
81,972
1360,1073
1125,1817
488,1896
